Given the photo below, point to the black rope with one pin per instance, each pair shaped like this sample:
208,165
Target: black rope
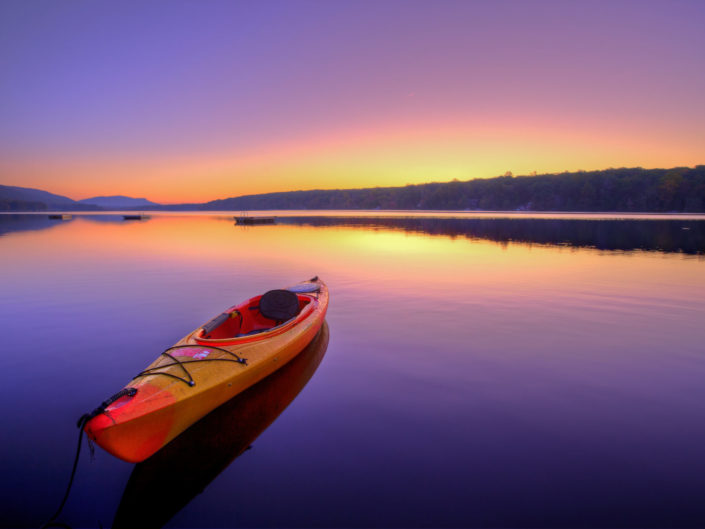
242,360
130,392
52,521
190,378
170,375
155,370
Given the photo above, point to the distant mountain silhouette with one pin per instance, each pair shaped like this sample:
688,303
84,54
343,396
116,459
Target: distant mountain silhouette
13,198
118,202
28,199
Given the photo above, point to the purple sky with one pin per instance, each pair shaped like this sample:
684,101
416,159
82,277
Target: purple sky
210,99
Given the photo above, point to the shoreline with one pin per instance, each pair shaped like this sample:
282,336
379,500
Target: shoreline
436,214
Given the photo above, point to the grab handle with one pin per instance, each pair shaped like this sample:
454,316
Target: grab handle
215,323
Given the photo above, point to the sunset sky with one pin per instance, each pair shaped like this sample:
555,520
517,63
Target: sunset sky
189,101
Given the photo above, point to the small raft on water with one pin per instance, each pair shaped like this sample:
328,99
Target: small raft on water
254,220
208,367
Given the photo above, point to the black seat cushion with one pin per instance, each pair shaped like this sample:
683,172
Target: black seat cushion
279,305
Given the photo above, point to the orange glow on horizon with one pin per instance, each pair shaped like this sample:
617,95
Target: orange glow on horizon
392,154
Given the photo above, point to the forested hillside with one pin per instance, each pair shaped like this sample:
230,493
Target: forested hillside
680,189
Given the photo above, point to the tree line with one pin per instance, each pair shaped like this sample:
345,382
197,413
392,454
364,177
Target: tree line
680,189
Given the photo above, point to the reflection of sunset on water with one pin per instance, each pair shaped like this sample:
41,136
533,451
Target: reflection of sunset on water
444,332
384,259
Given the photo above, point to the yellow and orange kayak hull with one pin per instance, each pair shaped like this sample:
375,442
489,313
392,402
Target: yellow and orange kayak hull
199,374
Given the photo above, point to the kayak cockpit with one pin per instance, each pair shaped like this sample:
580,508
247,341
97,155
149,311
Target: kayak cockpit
274,310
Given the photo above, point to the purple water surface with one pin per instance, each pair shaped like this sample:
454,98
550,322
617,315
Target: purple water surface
468,381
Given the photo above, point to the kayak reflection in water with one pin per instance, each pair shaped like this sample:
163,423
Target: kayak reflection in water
194,458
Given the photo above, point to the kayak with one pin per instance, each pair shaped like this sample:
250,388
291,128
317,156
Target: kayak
206,368
191,461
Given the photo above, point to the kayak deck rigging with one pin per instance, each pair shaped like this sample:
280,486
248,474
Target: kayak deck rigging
156,370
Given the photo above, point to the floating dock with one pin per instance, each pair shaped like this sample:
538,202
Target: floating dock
61,216
255,220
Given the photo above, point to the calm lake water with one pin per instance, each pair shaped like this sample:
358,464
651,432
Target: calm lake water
525,371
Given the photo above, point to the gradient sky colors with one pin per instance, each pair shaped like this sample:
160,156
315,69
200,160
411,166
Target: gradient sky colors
192,101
